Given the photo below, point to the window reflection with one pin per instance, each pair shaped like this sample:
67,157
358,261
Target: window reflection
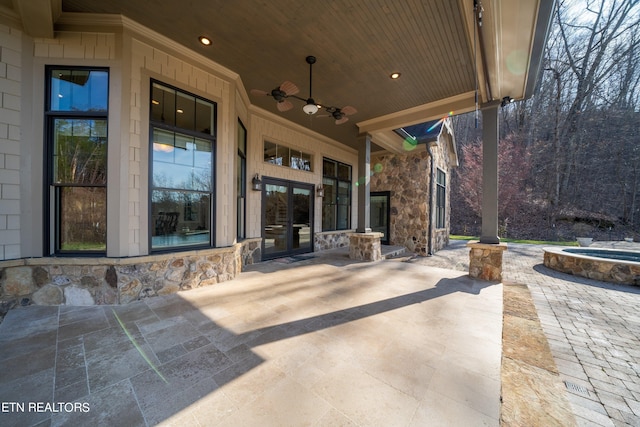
180,218
76,170
182,168
336,203
282,155
78,90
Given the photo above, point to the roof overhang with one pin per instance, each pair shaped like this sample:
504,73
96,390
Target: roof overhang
449,62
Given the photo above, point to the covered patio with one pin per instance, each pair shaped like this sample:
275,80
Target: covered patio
388,65
323,341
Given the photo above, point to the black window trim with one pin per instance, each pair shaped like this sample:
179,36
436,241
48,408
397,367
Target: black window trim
243,185
213,137
337,181
441,210
50,208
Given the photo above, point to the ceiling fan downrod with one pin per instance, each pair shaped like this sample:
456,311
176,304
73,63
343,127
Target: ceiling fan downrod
310,107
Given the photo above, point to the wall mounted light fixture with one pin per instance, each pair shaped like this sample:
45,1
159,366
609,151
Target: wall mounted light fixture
506,100
320,191
256,184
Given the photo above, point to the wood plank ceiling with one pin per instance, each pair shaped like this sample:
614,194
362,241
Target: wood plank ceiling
358,44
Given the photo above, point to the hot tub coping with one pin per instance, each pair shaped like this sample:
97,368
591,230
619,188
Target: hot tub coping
560,250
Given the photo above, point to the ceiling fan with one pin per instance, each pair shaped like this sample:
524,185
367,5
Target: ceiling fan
288,89
280,94
340,114
311,107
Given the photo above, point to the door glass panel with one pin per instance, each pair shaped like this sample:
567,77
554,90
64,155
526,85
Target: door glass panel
287,218
276,225
379,215
301,213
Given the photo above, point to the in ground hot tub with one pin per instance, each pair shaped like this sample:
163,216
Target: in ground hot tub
609,265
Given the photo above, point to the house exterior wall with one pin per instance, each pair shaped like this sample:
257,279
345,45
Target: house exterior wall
407,177
10,128
445,158
264,126
134,56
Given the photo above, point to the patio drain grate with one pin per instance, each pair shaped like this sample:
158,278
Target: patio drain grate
575,388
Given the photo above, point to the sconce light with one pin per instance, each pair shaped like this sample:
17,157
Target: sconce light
320,191
256,184
506,100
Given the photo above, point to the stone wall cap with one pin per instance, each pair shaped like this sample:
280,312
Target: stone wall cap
118,261
491,246
328,233
370,235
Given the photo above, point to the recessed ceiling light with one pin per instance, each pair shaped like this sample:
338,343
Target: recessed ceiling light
205,40
394,76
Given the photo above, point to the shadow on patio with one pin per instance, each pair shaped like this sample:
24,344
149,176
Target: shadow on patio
317,342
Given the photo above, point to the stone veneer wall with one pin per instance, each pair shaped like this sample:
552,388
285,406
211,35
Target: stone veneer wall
95,281
440,238
331,240
365,246
485,260
600,269
251,251
407,178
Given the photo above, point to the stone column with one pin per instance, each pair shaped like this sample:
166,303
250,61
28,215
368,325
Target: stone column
485,260
363,183
365,246
490,175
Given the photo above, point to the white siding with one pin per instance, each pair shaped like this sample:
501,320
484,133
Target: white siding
134,56
10,131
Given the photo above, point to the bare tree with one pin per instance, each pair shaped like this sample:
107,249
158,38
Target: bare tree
580,128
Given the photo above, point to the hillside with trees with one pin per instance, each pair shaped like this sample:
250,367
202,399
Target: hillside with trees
569,157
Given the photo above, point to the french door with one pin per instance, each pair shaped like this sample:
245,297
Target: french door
287,218
379,214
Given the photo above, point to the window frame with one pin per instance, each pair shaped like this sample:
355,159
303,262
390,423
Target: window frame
241,224
172,128
335,203
305,158
52,194
441,198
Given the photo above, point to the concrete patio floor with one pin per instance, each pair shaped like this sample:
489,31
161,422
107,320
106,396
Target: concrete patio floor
318,342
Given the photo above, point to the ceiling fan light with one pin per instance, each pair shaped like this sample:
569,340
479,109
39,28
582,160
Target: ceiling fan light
310,108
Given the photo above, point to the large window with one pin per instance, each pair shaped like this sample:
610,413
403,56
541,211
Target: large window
336,205
76,120
441,198
182,159
241,180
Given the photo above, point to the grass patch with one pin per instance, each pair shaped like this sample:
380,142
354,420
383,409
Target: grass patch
507,240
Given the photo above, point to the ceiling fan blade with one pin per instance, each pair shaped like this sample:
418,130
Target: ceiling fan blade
284,106
342,120
259,92
289,88
348,110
